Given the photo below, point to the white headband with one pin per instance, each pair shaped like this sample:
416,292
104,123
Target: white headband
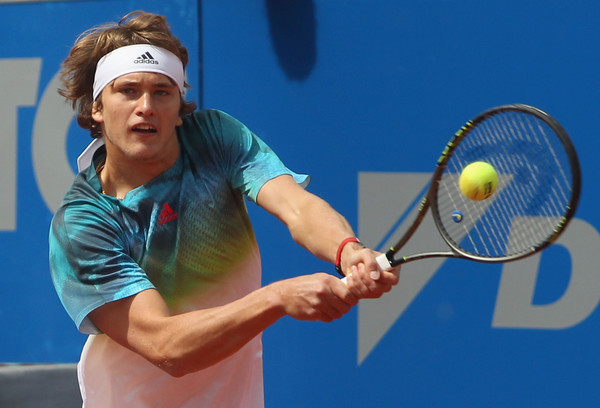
138,58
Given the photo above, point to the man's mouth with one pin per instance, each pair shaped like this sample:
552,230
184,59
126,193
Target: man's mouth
148,129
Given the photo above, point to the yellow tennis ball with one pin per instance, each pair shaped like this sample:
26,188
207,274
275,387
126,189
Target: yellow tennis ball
478,181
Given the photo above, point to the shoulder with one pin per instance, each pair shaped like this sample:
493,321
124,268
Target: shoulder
215,130
83,206
210,119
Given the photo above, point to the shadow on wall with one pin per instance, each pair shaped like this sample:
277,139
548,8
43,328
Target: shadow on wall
293,30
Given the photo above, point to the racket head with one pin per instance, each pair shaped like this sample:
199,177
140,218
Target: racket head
539,184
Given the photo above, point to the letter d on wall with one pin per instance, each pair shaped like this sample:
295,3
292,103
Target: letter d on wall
514,307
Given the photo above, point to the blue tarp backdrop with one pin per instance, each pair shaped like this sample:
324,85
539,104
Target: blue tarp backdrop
362,95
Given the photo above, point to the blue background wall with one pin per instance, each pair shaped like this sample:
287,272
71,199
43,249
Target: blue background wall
354,93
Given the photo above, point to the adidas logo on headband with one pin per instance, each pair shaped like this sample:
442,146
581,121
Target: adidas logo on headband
145,58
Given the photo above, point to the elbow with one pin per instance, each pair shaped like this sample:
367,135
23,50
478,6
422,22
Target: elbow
176,372
178,365
173,367
168,353
168,357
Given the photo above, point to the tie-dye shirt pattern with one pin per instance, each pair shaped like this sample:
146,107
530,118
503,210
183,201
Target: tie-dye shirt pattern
183,233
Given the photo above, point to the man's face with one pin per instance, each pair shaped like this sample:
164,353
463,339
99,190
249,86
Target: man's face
139,114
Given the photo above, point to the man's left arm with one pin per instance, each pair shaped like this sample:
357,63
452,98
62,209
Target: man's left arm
317,227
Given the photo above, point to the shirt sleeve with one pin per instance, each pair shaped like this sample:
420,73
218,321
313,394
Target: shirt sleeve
89,264
248,161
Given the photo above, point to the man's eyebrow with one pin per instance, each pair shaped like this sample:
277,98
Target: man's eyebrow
164,84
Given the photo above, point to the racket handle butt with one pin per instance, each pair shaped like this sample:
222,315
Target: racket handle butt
383,262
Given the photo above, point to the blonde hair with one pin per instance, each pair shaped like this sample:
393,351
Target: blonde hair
79,67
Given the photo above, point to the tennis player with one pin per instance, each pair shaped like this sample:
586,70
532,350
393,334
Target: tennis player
152,252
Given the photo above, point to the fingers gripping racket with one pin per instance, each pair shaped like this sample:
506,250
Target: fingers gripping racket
517,208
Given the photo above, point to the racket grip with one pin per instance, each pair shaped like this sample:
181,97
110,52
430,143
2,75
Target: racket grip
383,263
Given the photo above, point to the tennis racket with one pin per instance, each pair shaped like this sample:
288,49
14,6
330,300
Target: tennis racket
537,192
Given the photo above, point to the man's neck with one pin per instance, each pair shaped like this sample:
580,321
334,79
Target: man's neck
119,177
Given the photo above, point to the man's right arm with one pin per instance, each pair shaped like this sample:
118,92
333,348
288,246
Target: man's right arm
188,342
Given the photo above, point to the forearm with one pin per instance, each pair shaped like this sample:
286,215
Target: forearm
316,226
312,222
217,333
188,342
319,228
199,339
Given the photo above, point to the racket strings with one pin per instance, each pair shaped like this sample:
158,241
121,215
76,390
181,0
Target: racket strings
535,129
520,129
525,128
558,194
533,193
534,199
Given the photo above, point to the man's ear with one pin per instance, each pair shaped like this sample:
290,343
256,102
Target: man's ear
97,112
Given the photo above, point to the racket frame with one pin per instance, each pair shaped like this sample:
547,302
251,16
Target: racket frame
387,260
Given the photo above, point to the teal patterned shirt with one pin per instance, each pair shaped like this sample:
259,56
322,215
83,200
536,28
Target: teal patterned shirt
182,233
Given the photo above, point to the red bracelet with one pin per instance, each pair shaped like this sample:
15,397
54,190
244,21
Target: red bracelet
338,257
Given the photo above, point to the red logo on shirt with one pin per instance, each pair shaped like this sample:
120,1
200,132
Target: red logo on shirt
166,215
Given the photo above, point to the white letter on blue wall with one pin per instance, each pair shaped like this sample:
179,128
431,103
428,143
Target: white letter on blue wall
19,79
514,308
